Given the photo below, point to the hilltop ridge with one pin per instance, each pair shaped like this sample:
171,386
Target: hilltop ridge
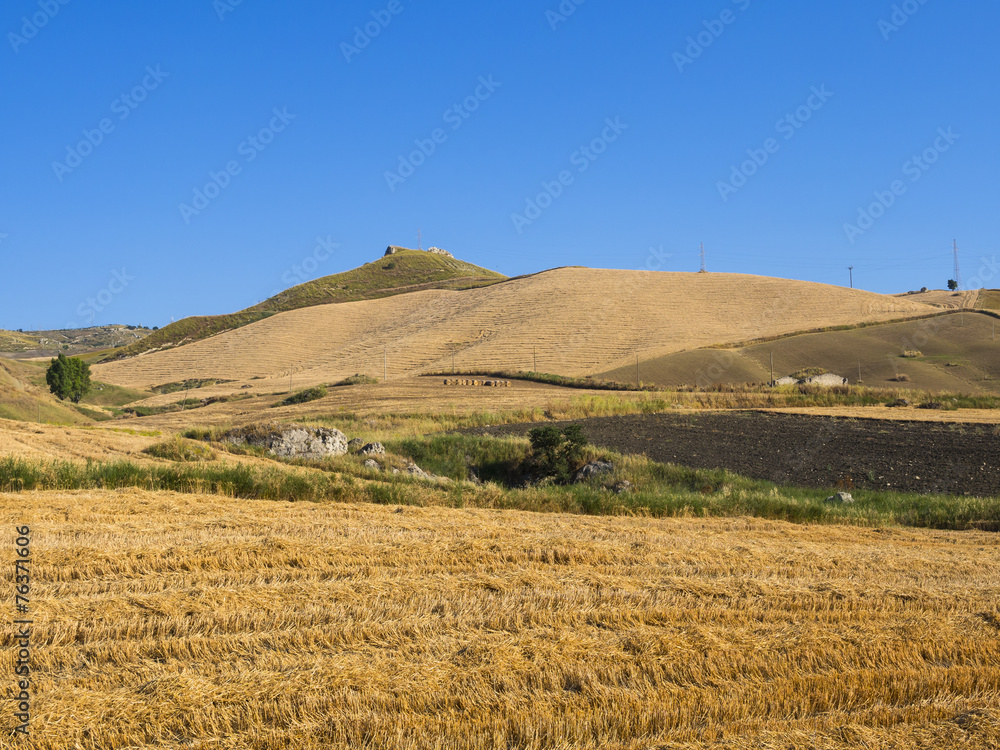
400,271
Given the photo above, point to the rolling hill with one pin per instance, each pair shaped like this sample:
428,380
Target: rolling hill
572,321
954,352
404,271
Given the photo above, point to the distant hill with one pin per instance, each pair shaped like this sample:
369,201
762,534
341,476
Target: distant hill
70,341
568,321
403,271
954,351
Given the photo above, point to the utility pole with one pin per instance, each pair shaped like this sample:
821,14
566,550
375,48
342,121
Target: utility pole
420,240
958,273
772,368
703,269
851,269
385,363
534,359
859,370
637,369
453,363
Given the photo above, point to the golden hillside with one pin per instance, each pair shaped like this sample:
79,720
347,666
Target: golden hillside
578,320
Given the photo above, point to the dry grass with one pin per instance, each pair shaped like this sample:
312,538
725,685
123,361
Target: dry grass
578,320
175,621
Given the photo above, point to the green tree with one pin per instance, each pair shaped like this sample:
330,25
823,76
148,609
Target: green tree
952,284
557,453
68,377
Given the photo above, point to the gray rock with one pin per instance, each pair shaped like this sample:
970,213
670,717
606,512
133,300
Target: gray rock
593,469
355,445
291,441
371,463
840,497
373,449
622,486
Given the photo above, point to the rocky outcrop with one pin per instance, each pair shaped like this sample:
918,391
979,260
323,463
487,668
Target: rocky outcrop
372,449
290,441
593,469
840,497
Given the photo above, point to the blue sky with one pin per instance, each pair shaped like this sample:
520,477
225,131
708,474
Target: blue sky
793,139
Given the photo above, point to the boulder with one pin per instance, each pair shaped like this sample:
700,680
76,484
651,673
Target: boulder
622,486
371,463
593,469
291,441
354,445
373,449
840,497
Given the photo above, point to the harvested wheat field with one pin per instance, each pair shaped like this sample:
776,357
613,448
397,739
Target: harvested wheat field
570,321
186,621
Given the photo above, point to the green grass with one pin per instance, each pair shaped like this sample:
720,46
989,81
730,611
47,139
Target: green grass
185,385
412,270
105,394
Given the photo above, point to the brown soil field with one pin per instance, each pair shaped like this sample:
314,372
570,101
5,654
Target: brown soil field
185,621
808,451
576,320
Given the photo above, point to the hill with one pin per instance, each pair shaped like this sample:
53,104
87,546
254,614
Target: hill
404,271
953,352
69,341
571,321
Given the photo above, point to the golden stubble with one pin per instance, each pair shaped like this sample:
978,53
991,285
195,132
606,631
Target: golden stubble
194,621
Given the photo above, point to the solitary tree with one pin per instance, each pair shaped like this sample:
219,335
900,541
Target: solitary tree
952,284
68,377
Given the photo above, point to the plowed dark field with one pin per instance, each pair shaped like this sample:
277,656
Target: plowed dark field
826,452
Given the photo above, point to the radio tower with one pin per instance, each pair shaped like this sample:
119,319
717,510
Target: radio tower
958,274
420,240
703,269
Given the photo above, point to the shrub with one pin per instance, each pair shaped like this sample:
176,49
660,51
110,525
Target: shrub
309,394
179,449
911,354
358,379
901,377
556,453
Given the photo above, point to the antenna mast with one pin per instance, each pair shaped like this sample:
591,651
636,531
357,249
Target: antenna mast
958,274
420,240
703,269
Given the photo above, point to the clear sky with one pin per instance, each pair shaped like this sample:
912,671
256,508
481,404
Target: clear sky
161,160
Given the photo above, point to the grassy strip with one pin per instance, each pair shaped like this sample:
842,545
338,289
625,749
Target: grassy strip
564,381
304,396
657,490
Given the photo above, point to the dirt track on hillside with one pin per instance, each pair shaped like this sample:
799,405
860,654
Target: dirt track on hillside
826,452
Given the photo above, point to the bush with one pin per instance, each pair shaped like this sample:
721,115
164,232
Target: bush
911,354
357,380
556,453
309,394
179,449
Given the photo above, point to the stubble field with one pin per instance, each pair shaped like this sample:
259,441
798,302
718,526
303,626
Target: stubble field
194,621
